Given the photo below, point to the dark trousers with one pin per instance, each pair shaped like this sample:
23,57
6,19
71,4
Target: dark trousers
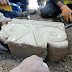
51,10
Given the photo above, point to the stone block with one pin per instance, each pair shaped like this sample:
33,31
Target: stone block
30,37
57,50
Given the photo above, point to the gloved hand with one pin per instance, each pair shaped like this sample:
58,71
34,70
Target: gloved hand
66,13
2,48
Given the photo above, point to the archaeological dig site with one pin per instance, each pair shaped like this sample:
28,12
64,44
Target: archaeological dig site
35,35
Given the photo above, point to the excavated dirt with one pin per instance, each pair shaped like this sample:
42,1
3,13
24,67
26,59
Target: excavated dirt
8,61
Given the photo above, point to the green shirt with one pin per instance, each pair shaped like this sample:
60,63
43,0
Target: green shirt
64,1
67,1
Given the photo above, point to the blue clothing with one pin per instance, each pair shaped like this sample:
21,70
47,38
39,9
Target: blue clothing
23,3
15,7
51,10
9,14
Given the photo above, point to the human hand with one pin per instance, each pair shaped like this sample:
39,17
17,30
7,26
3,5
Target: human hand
4,2
5,21
2,48
66,13
32,64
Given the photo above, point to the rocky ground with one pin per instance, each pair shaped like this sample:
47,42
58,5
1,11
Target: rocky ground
8,61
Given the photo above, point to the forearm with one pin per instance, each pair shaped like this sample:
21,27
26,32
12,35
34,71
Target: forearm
59,4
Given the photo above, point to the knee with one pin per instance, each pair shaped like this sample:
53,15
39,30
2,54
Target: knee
50,10
46,13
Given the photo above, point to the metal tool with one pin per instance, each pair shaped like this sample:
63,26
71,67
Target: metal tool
66,26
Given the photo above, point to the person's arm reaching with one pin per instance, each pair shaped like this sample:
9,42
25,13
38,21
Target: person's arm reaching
32,64
3,20
66,11
59,4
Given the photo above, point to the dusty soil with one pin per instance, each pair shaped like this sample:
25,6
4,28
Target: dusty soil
8,61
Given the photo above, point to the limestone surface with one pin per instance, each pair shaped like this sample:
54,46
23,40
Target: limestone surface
28,37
